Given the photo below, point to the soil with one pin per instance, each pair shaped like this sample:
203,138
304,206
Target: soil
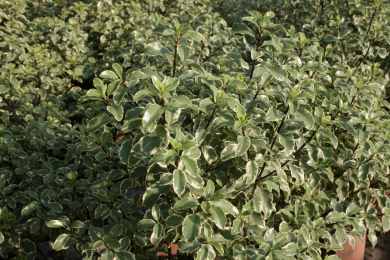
381,251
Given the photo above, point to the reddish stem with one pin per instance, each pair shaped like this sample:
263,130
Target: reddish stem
174,60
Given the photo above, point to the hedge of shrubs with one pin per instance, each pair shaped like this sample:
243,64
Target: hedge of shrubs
254,129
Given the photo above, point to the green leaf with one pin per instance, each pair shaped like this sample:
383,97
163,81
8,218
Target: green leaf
174,221
194,181
238,83
148,145
183,100
229,152
262,202
116,111
94,93
352,209
218,196
287,141
55,224
210,188
136,75
183,51
107,255
219,217
205,207
191,227
194,153
225,206
298,174
239,252
77,224
188,247
179,182
243,145
188,145
206,252
371,235
30,208
156,212
172,115
158,234
194,36
125,151
209,153
306,116
152,114
169,156
290,249
237,227
331,137
101,210
144,224
131,124
334,217
99,85
118,69
190,165
186,203
218,247
243,29
381,52
61,241
154,49
348,127
152,194
98,122
252,170
28,247
113,87
124,256
386,223
274,115
96,244
189,74
207,229
140,95
341,235
278,72
119,95
200,135
108,74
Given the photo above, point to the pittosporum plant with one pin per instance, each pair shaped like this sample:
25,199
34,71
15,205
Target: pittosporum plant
263,137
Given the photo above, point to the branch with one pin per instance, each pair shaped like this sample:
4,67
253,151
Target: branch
257,48
212,115
302,146
219,146
128,92
269,174
372,18
220,165
174,59
258,178
333,117
247,151
162,103
308,140
342,44
365,55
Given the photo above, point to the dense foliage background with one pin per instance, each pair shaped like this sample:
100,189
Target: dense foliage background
255,129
